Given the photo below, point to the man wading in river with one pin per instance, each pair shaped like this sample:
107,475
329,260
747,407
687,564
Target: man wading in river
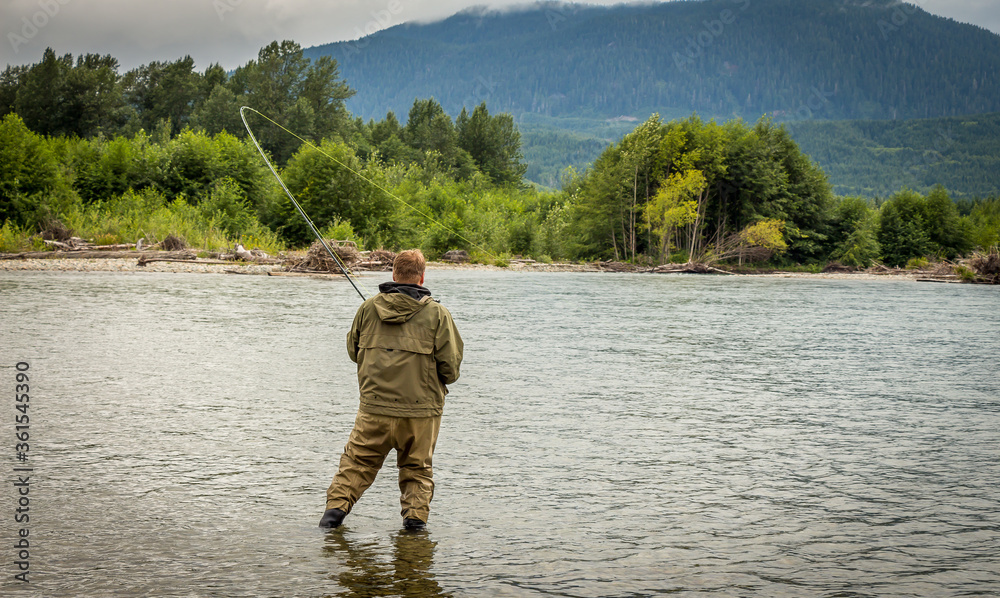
407,350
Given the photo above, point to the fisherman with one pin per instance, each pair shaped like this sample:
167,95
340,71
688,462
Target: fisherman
408,350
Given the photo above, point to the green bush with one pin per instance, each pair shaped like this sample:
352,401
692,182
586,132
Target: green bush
984,222
333,190
477,256
855,230
33,185
14,238
550,235
146,214
901,229
106,239
965,274
341,230
912,225
103,169
227,207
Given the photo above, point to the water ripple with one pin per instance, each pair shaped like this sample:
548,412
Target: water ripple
612,435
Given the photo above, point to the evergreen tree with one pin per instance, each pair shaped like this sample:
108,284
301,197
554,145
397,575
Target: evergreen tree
10,82
41,95
307,98
58,97
219,112
164,92
430,131
33,186
946,232
494,144
901,229
93,98
854,232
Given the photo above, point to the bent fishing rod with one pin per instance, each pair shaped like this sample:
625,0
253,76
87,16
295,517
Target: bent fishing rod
312,227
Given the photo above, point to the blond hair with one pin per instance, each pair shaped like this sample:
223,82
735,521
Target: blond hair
408,267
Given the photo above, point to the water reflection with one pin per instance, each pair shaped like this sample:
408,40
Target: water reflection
369,573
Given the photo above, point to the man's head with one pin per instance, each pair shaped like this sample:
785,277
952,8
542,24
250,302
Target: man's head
409,267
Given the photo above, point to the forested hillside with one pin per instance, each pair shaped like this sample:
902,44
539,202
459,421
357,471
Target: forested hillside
878,158
793,60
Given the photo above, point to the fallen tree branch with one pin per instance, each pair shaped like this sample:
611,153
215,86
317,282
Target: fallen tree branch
177,256
79,255
312,274
688,268
117,247
143,262
59,245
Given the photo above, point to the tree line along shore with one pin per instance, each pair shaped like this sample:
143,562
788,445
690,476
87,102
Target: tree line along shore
159,151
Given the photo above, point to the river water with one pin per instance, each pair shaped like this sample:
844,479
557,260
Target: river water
611,435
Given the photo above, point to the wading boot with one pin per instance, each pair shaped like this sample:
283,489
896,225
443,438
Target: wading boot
413,524
332,518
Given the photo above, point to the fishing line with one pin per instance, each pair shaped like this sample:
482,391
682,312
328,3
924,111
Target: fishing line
356,173
340,264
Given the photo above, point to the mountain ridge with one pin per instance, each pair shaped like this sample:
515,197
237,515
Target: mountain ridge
827,59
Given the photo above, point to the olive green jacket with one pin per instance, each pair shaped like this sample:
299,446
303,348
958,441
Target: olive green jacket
407,351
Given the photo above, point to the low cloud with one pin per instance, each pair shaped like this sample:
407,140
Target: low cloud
985,13
232,31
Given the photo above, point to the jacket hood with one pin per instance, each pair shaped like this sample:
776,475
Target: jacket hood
398,302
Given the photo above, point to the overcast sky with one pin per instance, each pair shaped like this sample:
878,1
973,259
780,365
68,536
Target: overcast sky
231,31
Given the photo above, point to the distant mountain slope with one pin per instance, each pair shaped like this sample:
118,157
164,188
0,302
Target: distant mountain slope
870,158
828,59
878,158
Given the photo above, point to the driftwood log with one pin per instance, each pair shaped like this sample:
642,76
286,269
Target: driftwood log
457,256
689,268
318,260
168,256
79,255
324,275
379,259
143,262
78,244
617,267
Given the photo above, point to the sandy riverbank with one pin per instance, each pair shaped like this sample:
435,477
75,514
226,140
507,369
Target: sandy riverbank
131,265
